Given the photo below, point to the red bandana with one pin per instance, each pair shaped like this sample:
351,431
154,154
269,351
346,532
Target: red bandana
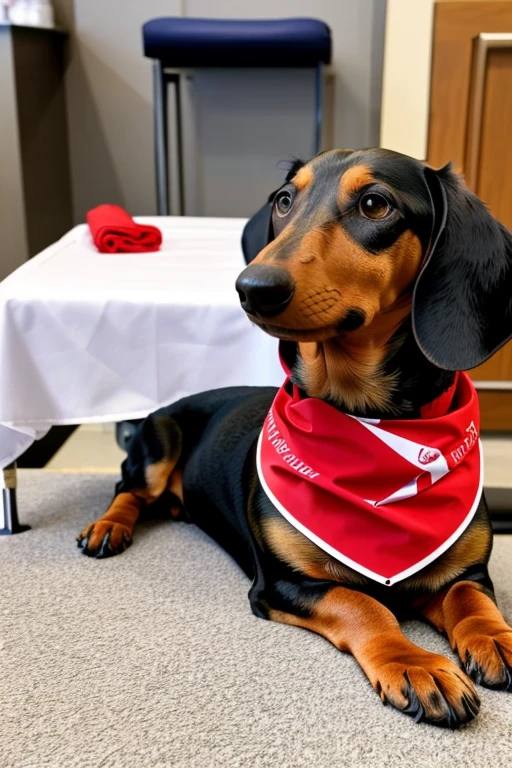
386,497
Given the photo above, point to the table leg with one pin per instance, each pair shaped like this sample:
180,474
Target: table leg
11,523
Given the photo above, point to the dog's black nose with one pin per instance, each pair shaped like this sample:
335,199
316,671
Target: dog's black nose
265,290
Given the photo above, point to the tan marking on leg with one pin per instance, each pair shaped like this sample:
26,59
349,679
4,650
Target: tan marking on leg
157,477
402,673
176,488
476,630
124,509
176,484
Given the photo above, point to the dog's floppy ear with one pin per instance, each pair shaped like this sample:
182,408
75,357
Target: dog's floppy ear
462,302
258,231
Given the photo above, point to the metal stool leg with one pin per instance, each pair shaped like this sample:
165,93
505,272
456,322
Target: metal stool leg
319,106
179,137
11,522
161,147
175,79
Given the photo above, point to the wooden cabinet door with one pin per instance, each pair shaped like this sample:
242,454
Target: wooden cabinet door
471,124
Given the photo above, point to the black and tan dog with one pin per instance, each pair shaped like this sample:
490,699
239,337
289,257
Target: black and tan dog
383,277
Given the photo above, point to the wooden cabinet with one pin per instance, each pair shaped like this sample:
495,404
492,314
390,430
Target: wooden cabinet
470,123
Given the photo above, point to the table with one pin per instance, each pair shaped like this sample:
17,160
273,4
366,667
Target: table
91,337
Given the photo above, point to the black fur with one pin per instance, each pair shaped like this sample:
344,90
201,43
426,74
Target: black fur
462,309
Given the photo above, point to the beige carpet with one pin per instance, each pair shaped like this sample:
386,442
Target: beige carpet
153,658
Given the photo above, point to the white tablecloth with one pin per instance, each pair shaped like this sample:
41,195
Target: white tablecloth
91,337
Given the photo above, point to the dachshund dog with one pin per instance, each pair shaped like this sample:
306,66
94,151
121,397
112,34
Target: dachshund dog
384,280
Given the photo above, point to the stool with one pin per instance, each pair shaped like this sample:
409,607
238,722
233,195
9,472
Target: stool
178,43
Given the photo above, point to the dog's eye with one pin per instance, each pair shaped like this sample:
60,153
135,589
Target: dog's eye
374,206
284,203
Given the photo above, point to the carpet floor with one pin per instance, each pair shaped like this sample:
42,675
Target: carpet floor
153,658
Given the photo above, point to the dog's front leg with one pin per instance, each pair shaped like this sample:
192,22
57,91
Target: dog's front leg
477,632
425,685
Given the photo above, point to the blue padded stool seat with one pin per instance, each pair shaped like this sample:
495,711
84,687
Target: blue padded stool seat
179,42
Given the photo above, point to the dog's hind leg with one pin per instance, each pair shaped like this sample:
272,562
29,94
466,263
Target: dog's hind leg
149,470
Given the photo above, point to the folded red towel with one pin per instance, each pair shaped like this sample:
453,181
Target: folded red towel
114,231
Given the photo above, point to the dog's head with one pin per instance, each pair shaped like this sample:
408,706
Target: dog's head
354,236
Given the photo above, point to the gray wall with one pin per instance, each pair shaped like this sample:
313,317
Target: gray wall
14,246
242,122
35,189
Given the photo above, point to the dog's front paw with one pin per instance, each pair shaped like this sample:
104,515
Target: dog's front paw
430,689
485,649
104,538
